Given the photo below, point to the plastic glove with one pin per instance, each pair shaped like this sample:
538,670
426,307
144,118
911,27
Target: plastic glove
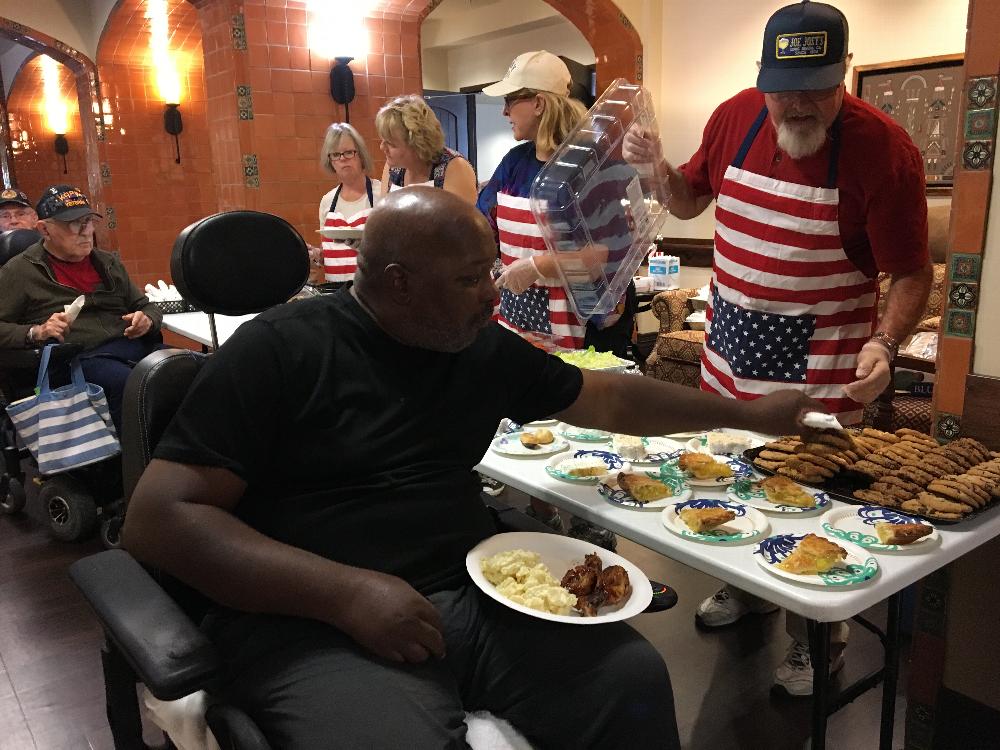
519,275
873,373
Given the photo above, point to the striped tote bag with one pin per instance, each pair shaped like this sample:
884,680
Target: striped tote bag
68,427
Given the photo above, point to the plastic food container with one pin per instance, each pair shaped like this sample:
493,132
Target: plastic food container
596,213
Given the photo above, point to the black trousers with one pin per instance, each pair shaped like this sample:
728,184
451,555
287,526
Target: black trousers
309,686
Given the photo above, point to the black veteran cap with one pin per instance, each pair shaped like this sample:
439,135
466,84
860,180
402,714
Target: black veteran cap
805,46
14,196
63,203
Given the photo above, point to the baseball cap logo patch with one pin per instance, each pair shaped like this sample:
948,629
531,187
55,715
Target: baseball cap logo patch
806,44
8,194
64,203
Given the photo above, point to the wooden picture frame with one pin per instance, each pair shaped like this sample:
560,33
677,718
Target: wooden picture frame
924,95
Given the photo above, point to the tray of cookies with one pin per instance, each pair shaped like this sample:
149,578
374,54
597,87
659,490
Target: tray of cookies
907,470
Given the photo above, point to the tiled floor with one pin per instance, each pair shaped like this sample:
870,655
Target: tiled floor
51,692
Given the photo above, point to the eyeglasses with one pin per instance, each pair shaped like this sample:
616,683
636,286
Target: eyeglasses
814,96
78,225
511,99
18,214
349,154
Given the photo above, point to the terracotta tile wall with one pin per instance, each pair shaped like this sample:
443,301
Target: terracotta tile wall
291,104
41,166
150,196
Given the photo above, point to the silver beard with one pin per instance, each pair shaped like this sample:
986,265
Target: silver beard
799,144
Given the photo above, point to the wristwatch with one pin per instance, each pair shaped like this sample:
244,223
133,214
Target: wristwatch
29,337
887,341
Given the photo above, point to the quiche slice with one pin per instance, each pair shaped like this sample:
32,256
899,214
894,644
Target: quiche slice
901,533
642,488
703,466
781,490
813,555
705,519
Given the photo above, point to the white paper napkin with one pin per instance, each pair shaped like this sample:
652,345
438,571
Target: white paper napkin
72,310
820,421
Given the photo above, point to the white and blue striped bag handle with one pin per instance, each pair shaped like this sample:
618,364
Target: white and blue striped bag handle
68,427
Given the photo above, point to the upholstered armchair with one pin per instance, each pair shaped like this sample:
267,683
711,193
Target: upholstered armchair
676,355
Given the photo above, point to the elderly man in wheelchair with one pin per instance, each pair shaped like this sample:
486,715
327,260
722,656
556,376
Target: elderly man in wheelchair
116,325
316,483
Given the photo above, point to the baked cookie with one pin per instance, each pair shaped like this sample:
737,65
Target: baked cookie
812,458
769,465
885,437
871,469
937,503
769,455
877,498
915,474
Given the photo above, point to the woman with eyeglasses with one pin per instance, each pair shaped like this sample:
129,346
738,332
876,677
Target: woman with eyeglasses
415,154
533,300
345,155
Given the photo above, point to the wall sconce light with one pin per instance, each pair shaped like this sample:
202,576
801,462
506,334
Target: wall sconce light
62,148
173,124
342,84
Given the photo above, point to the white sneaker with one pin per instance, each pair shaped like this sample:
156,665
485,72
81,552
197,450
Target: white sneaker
724,609
795,674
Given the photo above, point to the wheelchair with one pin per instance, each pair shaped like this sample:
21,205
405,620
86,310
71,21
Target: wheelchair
75,502
150,619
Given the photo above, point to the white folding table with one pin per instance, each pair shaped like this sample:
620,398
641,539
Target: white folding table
734,564
196,326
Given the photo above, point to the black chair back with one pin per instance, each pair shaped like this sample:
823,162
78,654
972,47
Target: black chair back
16,241
239,262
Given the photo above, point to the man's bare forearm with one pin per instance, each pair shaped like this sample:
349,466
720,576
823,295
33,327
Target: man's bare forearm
905,302
683,203
647,406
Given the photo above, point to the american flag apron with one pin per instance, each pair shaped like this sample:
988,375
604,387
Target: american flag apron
340,260
543,308
788,308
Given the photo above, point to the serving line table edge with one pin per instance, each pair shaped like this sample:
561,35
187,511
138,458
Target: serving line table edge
196,326
734,564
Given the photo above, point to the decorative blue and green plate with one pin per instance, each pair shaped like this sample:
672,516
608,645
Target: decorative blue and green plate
857,525
748,524
559,466
859,566
740,468
748,491
615,495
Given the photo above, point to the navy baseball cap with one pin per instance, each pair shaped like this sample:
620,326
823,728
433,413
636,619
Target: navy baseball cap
11,195
805,46
63,203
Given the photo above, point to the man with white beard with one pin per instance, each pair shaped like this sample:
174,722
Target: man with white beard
816,193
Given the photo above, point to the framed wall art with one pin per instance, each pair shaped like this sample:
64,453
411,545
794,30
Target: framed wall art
925,97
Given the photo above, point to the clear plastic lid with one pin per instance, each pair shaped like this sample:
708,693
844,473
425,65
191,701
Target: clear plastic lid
598,214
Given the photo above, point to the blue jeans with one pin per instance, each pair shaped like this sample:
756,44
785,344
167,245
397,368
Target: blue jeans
109,364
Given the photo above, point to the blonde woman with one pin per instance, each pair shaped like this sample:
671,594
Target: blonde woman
345,156
414,149
532,298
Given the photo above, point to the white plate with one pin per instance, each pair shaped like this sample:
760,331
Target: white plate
859,567
510,445
857,525
542,423
615,495
583,434
612,461
748,524
740,469
342,233
747,491
658,450
560,553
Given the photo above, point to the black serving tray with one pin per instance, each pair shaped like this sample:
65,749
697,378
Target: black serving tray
842,485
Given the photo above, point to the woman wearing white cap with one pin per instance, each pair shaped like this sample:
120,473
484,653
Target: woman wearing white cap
415,154
532,300
345,155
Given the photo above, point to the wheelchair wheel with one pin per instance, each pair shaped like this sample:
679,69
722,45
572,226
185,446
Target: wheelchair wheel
111,532
70,509
12,498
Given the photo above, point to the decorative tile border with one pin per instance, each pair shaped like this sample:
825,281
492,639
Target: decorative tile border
965,267
238,30
949,426
977,155
963,295
244,101
980,123
111,220
251,172
105,173
960,323
982,92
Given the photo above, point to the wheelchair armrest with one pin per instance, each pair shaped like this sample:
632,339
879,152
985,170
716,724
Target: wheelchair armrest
167,651
28,359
